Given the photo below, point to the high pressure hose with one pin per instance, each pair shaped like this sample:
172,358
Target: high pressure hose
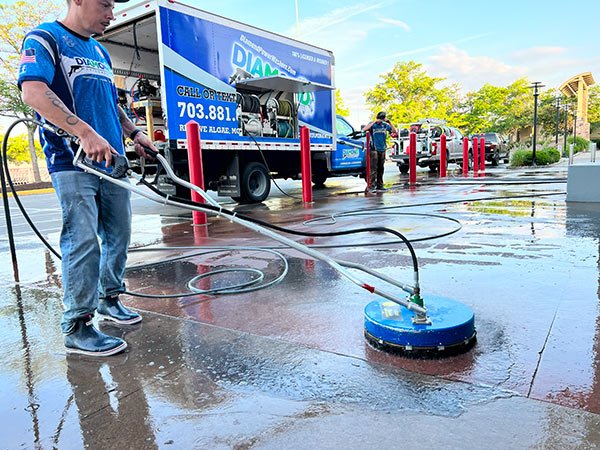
415,303
10,182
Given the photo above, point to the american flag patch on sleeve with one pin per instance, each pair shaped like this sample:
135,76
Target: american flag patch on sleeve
28,56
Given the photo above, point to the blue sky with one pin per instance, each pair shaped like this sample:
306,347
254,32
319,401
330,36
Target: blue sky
469,43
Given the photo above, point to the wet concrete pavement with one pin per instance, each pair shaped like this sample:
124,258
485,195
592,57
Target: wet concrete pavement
287,366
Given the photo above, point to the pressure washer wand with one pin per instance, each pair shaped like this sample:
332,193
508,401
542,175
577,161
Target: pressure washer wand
79,161
414,291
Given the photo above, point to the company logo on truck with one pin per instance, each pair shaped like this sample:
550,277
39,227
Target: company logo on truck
254,60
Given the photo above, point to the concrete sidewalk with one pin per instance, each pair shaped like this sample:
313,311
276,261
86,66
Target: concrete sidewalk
288,367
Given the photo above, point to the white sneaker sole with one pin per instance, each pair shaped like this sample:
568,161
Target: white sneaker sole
112,351
120,322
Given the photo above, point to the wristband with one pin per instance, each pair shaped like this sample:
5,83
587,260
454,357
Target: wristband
134,133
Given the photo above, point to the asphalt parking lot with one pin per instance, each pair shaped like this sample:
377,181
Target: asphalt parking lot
287,366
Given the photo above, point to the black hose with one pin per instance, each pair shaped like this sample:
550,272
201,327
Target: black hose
271,226
9,228
12,187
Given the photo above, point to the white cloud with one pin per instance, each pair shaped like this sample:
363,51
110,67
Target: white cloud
472,72
395,56
354,100
396,23
341,30
315,25
549,65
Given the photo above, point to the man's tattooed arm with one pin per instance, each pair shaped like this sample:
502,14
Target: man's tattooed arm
37,95
70,118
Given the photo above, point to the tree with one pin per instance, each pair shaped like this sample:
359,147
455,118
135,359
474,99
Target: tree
18,149
340,107
408,94
499,109
15,21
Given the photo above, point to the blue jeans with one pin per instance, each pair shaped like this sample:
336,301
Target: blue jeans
95,236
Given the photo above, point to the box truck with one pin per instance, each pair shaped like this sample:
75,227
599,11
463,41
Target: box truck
249,90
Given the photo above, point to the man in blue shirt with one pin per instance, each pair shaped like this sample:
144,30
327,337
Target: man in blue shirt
67,77
379,130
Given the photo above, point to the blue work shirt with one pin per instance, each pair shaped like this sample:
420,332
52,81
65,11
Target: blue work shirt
379,131
79,71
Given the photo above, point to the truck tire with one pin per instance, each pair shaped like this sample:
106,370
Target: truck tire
319,175
469,161
255,183
495,160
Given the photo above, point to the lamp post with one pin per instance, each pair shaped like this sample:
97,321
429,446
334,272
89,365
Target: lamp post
535,85
557,119
565,130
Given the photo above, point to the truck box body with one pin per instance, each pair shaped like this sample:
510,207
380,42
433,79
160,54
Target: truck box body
248,89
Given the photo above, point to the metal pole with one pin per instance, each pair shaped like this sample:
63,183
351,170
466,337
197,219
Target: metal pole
412,159
566,131
368,160
475,155
574,124
305,164
196,170
465,163
443,161
536,86
557,119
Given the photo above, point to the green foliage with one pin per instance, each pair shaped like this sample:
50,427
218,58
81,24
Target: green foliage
408,94
499,109
543,157
546,116
18,149
340,107
594,104
581,144
16,20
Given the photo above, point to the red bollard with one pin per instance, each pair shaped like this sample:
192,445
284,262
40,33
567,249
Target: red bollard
482,150
443,159
368,160
465,163
412,159
305,164
192,130
475,158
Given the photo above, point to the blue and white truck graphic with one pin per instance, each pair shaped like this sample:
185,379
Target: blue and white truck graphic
249,90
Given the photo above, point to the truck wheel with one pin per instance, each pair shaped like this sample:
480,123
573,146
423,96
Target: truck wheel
319,175
469,161
255,183
403,168
495,160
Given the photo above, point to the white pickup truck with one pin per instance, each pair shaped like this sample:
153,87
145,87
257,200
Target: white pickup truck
429,132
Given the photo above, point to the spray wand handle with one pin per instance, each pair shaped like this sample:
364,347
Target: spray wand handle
151,152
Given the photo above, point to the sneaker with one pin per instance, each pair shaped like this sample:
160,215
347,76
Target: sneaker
87,340
110,308
381,189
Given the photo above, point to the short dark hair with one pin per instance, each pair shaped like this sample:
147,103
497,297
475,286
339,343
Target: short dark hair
381,115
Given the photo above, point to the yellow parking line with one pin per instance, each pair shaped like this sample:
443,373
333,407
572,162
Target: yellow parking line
32,192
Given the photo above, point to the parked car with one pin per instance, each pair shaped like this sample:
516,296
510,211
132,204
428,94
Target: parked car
429,132
496,147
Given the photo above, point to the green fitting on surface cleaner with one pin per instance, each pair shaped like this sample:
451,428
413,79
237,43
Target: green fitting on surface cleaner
416,299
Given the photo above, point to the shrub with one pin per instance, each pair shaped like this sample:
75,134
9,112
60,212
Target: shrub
581,144
543,157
